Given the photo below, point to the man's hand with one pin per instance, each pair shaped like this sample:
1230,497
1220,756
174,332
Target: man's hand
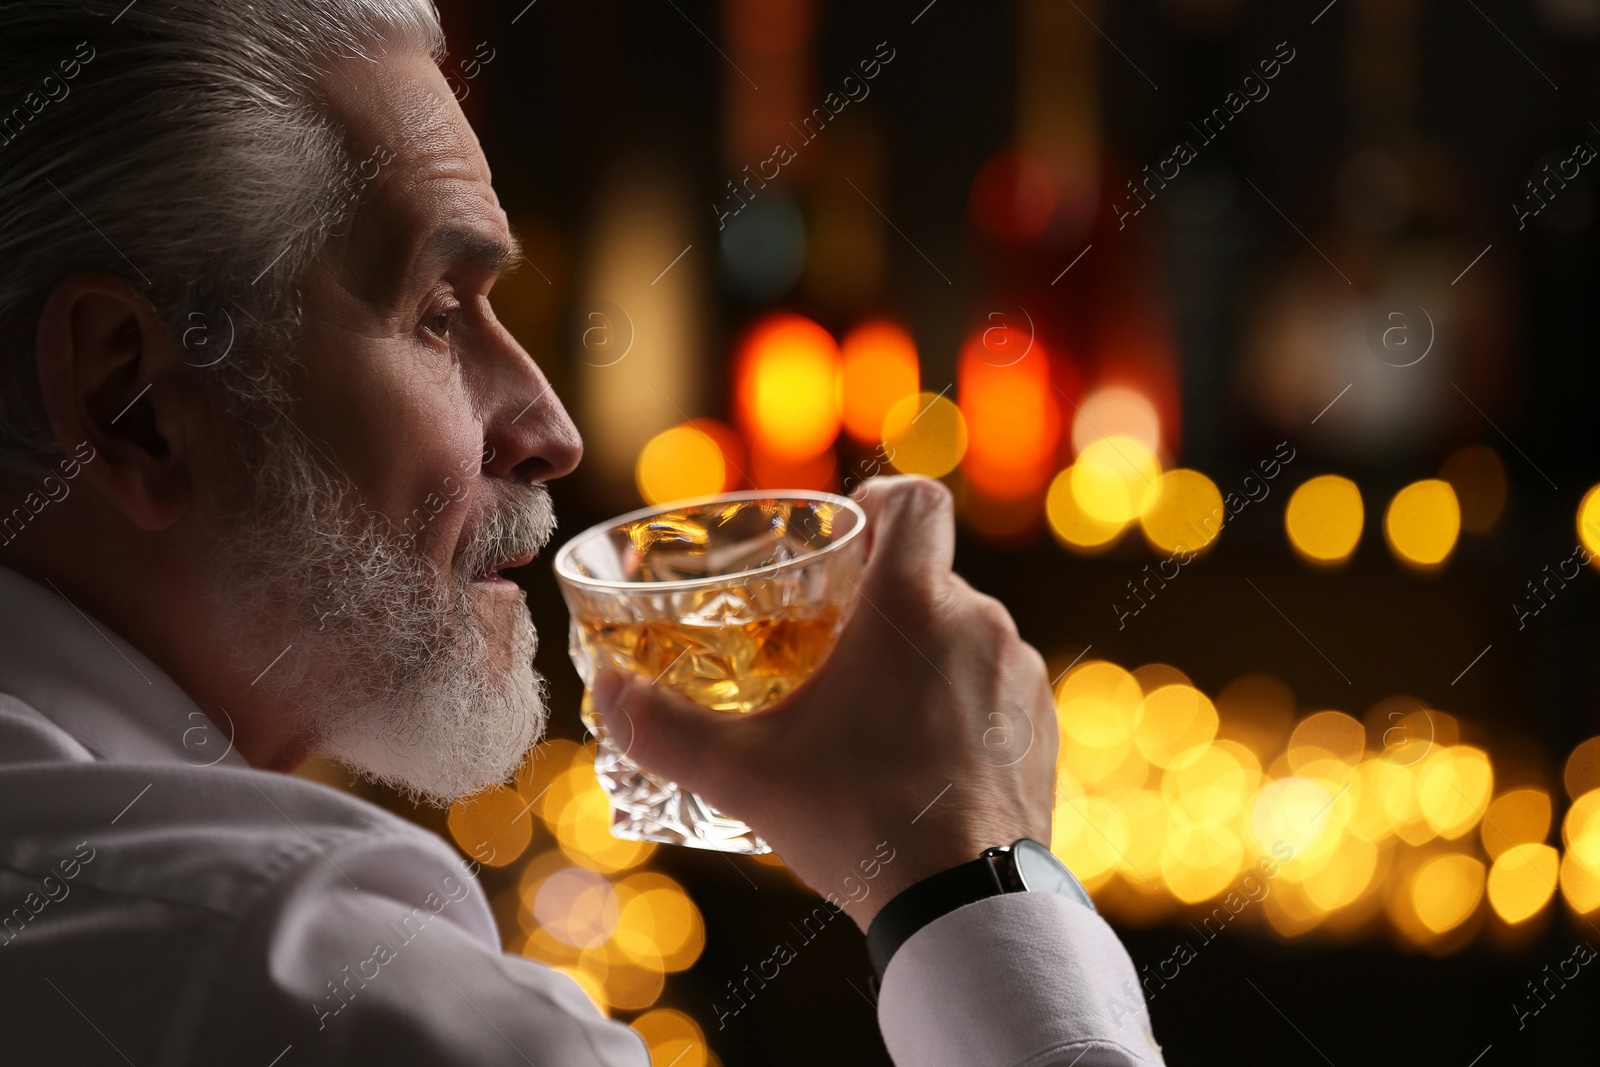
926,736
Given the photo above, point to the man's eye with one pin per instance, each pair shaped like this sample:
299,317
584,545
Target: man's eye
438,323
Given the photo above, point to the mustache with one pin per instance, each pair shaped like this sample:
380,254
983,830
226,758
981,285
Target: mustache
520,521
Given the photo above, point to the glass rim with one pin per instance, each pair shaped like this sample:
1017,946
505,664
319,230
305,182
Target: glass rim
562,562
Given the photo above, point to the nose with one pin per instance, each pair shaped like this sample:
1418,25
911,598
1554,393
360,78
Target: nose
528,435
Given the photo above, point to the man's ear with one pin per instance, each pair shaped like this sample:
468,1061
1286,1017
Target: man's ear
115,389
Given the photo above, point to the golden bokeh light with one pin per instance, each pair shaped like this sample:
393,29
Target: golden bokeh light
1172,719
1582,772
591,986
1165,800
1580,829
1519,817
1293,810
659,921
679,463
1097,704
1152,676
1396,786
1423,523
625,984
1116,479
561,785
1072,526
673,1038
544,763
1347,876
1522,881
1326,733
1186,515
1200,860
1446,890
1291,911
1580,867
535,871
878,369
1090,835
1212,783
1403,729
925,434
1146,818
1580,884
1324,518
1370,819
1398,904
577,906
1120,766
1478,476
1588,520
617,939
1116,411
583,827
1453,788
493,827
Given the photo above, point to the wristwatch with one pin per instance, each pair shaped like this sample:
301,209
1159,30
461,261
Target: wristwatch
1020,867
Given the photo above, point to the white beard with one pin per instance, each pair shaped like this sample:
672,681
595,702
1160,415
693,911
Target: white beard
386,665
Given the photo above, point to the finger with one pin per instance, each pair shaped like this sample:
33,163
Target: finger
911,522
670,735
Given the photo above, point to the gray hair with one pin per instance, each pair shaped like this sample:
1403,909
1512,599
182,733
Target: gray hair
183,145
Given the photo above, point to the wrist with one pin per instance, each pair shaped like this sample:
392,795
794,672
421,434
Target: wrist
1025,865
907,871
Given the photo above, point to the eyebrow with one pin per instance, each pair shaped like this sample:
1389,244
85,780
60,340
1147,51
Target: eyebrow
453,246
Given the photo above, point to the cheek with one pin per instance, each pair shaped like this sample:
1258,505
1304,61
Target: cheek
440,502
427,468
398,422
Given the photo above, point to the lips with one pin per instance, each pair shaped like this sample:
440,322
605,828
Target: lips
515,525
492,573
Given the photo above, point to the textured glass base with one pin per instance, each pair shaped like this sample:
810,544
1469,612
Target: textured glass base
643,808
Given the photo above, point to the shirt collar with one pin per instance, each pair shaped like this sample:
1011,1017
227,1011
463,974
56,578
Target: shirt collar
97,687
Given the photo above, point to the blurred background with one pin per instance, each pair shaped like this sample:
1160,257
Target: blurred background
1257,342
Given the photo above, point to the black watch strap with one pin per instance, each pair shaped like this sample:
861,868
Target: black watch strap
935,896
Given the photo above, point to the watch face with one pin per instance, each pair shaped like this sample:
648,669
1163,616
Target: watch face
1042,872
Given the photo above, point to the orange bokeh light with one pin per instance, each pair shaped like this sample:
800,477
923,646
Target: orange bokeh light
787,387
1013,422
770,471
879,368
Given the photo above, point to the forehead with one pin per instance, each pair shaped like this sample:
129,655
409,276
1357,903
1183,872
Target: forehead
421,166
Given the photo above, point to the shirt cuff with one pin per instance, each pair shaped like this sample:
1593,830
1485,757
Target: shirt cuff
1019,980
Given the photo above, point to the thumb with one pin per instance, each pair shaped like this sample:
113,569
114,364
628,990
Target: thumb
670,735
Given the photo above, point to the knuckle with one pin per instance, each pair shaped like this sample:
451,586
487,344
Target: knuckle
921,499
957,588
995,619
930,492
1033,664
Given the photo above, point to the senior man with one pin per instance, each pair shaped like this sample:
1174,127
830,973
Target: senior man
246,252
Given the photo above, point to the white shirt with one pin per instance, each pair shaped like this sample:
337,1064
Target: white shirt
161,902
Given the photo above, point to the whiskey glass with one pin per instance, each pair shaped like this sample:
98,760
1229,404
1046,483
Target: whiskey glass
731,601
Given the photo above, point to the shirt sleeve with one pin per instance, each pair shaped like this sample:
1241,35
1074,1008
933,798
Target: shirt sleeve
1016,980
